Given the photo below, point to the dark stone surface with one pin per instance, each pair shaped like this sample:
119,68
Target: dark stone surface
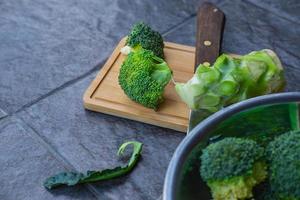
45,44
48,53
253,30
90,140
2,114
24,165
288,9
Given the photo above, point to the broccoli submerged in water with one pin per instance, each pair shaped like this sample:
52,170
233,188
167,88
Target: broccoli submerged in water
232,79
284,156
142,36
232,167
143,77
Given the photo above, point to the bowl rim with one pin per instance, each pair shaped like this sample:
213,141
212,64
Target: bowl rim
191,140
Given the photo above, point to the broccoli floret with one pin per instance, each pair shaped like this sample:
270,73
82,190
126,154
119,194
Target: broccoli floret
142,36
284,156
232,167
143,77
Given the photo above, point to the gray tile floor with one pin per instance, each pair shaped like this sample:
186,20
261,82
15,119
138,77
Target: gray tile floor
50,52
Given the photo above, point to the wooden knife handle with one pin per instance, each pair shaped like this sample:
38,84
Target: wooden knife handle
210,26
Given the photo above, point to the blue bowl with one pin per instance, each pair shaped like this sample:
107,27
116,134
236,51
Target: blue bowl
260,118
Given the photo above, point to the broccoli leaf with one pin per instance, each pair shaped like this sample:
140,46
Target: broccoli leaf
73,178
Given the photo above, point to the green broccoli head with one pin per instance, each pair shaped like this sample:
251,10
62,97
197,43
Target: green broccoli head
232,79
284,156
232,167
143,77
142,36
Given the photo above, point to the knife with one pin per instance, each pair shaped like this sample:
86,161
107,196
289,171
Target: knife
210,26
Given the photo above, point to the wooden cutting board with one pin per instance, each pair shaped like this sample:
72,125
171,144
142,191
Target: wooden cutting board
106,96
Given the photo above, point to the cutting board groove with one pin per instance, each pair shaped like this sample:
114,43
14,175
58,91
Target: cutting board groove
105,95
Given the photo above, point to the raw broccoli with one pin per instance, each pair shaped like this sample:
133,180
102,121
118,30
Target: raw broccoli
142,36
232,79
284,156
143,77
232,167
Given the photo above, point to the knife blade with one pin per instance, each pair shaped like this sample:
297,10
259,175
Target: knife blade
210,26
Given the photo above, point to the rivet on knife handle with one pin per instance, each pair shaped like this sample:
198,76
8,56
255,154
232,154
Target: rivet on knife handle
210,23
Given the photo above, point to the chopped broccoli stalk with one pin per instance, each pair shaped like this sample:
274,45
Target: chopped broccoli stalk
284,156
232,167
142,36
143,77
126,50
232,79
